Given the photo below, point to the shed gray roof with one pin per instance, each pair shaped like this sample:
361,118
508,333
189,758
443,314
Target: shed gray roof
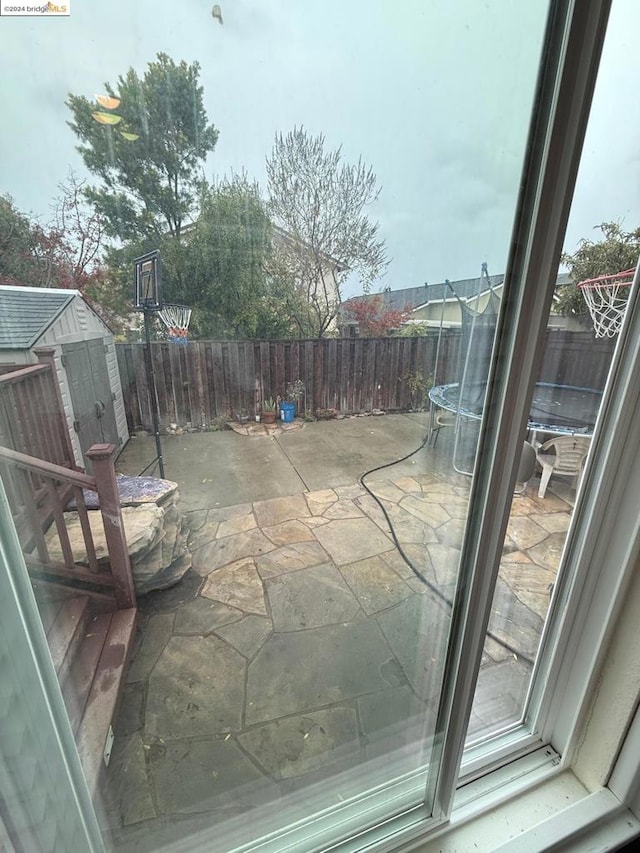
27,312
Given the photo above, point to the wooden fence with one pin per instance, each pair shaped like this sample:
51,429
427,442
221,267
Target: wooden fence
207,380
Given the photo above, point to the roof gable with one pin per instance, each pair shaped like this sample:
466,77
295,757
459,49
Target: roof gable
27,312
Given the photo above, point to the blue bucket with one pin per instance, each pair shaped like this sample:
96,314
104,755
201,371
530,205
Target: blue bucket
287,411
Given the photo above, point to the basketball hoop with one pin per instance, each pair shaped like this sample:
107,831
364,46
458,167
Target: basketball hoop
606,298
176,319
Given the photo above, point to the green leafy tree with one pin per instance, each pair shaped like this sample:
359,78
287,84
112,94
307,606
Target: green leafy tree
149,154
227,251
617,251
219,267
319,202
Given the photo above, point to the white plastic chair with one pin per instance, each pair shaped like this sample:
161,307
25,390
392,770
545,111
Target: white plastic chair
564,455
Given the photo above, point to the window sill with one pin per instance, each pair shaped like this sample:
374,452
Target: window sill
556,813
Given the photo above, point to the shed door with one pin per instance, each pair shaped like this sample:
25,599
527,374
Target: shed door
88,377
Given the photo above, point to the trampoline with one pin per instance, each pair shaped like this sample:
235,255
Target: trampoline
557,409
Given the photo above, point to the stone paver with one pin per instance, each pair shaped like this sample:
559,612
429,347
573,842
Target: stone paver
223,551
296,745
302,671
375,584
290,558
417,631
350,540
193,776
302,641
276,510
202,616
132,792
289,532
236,525
310,598
195,689
525,532
238,585
248,635
156,635
389,709
548,552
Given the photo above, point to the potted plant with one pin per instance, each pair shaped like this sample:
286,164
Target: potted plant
268,411
295,390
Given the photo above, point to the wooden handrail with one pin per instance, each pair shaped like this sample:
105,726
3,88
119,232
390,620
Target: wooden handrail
49,469
104,483
102,456
22,373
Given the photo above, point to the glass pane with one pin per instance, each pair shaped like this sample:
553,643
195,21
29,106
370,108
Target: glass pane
298,429
578,351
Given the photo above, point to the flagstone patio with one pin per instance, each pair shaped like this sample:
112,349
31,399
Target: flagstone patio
302,644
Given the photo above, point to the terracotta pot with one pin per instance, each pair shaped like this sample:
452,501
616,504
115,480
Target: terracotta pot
268,417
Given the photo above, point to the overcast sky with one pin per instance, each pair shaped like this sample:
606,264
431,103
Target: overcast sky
434,95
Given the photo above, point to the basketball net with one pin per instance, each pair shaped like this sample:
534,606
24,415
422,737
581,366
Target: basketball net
176,319
606,298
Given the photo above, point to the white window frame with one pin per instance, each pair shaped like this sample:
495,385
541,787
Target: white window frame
587,602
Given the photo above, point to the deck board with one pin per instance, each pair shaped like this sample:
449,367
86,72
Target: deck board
77,684
105,692
66,633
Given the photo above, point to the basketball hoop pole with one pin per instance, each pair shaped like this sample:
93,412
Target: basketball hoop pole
151,381
148,299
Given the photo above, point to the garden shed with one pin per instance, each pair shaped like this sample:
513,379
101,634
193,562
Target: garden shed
35,318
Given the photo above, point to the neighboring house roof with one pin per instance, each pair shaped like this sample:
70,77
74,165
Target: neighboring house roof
465,289
27,312
415,297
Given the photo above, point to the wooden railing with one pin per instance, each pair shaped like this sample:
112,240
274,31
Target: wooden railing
39,492
32,418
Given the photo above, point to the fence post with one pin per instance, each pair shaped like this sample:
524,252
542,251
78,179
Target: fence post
104,472
46,355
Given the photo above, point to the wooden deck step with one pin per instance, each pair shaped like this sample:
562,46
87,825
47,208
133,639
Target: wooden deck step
102,701
48,612
67,632
77,684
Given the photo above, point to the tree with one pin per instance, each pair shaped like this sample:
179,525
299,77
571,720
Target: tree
146,148
618,251
319,202
227,251
67,253
373,317
79,230
27,250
